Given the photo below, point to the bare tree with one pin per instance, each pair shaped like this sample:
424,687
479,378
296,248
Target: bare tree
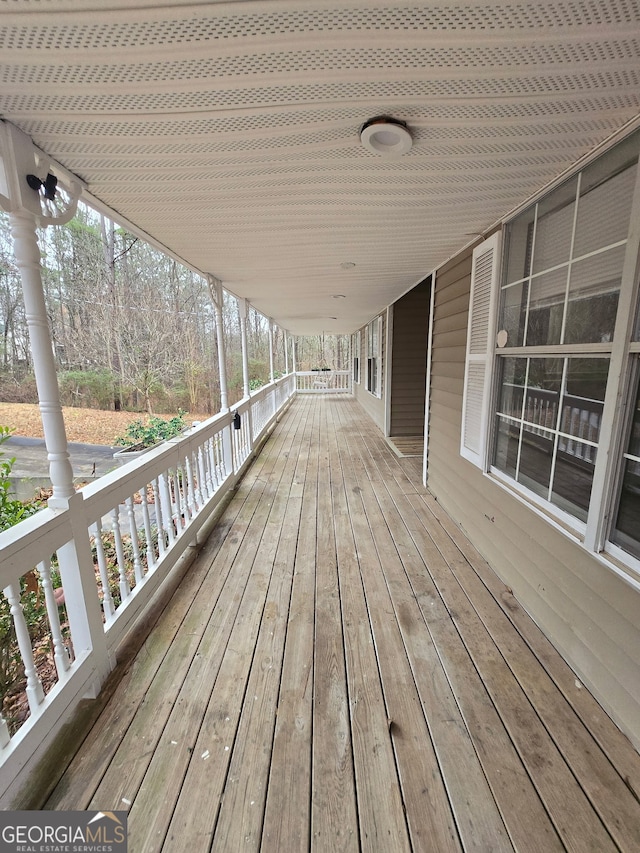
131,327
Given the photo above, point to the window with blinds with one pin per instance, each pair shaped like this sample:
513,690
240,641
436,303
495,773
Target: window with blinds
553,354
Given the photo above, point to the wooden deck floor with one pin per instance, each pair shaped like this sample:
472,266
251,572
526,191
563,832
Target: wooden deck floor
339,670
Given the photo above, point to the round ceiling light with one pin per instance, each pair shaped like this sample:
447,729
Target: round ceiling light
386,136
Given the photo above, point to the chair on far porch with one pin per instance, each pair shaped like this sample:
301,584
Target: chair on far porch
324,380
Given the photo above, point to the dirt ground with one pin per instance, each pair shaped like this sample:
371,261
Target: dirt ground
91,426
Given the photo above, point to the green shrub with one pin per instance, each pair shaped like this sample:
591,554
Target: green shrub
140,434
87,388
11,509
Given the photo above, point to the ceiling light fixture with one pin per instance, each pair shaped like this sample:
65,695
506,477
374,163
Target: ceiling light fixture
386,136
347,265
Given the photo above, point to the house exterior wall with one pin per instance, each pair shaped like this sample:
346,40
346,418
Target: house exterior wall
373,405
409,361
587,609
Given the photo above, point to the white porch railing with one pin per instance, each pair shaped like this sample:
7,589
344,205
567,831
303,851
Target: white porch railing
324,382
107,553
579,425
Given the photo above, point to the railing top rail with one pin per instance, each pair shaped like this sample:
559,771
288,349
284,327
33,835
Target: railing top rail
549,394
31,541
136,473
264,390
342,372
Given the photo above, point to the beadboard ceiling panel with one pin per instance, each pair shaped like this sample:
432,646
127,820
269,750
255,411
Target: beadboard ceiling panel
229,132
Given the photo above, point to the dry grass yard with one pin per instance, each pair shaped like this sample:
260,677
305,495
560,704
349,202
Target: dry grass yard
90,426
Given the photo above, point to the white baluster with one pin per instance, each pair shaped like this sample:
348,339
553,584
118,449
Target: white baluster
60,652
209,462
5,736
244,438
108,606
187,504
190,499
200,484
35,693
204,478
117,539
227,450
178,510
146,520
219,455
135,545
162,547
235,444
167,508
210,465
182,494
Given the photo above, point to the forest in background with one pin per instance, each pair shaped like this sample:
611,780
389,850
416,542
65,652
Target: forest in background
133,329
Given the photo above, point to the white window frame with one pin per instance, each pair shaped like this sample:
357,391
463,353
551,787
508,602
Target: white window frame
481,371
374,357
356,366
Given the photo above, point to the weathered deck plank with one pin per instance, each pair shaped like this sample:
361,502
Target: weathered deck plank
612,742
184,801
428,812
528,823
287,818
608,795
340,670
374,760
568,747
441,732
334,816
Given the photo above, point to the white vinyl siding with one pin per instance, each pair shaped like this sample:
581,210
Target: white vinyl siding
587,606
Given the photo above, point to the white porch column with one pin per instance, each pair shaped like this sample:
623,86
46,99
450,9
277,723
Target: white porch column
293,354
36,192
243,310
215,289
286,351
243,307
271,374
27,255
217,296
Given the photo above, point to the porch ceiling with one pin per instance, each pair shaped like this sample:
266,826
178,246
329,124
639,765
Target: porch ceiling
229,132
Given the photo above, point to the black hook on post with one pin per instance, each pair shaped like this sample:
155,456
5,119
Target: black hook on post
237,422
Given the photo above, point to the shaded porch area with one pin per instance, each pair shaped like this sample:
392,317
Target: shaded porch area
340,670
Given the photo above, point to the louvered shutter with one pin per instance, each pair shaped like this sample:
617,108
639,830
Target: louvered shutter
480,344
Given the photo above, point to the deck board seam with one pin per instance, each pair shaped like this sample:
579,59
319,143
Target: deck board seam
359,446
388,483
466,597
283,462
359,609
